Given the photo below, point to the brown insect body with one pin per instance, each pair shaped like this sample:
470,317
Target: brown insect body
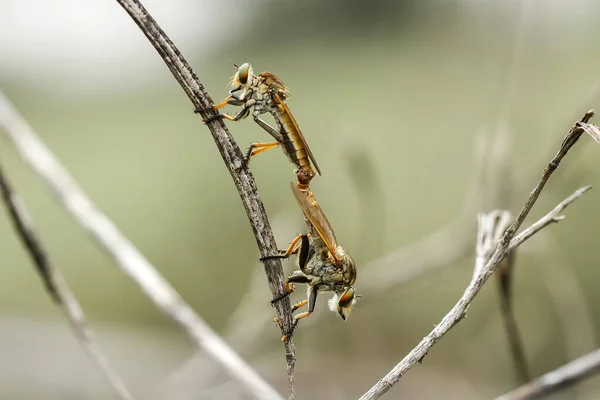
324,265
266,93
293,142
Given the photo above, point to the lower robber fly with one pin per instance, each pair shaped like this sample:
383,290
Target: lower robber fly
324,265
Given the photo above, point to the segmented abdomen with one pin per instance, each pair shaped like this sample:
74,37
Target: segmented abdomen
292,143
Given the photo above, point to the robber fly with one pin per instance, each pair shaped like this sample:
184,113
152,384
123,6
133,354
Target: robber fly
266,93
324,264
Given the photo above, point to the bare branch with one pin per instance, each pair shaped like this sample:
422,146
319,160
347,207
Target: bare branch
57,286
561,378
507,243
570,139
458,312
127,257
232,156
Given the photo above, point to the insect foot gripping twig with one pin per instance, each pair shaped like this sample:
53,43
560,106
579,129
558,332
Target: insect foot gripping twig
208,110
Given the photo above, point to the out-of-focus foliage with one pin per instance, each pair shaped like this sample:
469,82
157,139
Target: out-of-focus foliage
286,19
390,95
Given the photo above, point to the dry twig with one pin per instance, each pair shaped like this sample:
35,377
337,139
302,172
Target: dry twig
233,158
507,243
561,378
57,286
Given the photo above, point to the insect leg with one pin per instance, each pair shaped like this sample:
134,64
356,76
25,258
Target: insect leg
257,148
299,305
223,103
244,112
292,249
270,130
312,302
289,285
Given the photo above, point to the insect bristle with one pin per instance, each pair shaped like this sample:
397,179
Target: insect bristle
233,81
332,303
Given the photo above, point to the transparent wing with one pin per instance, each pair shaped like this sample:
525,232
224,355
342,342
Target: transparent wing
316,217
301,136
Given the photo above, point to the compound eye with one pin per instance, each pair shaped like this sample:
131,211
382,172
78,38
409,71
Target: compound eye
243,73
347,298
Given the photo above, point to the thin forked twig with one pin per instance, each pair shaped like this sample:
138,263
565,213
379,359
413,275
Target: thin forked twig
507,243
458,312
561,378
233,158
126,255
57,286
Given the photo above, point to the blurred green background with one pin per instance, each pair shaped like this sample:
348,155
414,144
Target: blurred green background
392,97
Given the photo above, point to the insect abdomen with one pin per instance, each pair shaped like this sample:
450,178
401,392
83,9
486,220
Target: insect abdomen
293,146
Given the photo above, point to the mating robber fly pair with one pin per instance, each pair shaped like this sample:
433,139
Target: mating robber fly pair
324,264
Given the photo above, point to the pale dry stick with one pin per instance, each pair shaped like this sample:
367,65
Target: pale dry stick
234,160
57,286
507,243
127,257
561,378
458,312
